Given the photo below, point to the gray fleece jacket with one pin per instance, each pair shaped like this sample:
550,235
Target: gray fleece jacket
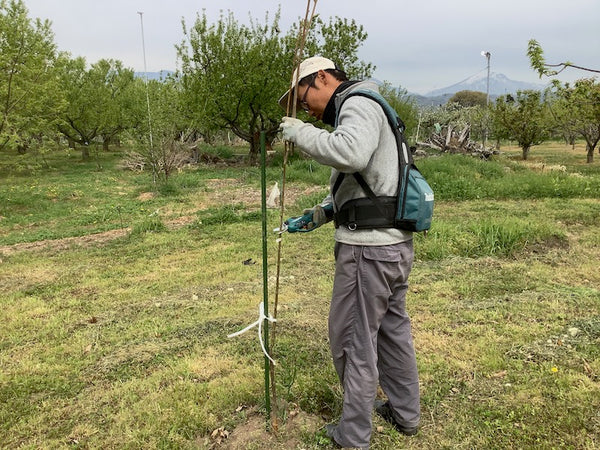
362,142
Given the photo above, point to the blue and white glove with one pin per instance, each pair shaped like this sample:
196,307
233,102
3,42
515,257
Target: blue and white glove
289,126
311,219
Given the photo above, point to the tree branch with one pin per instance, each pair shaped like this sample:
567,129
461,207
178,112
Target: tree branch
538,63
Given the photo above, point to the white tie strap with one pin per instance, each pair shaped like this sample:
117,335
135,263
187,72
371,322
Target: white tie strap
261,318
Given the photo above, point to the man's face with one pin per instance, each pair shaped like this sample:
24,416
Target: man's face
313,97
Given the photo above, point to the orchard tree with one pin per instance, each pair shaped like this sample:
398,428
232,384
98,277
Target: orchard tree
101,102
469,98
576,108
586,105
119,100
522,119
232,74
30,94
560,112
339,40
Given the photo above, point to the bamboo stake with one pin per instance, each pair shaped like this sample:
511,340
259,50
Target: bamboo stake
290,111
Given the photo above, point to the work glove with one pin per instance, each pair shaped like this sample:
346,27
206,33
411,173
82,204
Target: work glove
289,126
311,219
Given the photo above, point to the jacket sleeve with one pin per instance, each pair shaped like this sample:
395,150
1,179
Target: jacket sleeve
350,146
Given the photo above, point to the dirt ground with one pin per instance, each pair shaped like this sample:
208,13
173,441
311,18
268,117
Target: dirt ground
221,192
253,433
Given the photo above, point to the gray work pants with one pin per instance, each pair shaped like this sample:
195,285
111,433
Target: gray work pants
370,337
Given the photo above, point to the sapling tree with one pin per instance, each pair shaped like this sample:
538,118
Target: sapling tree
169,148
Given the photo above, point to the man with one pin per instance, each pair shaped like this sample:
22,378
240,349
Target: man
369,329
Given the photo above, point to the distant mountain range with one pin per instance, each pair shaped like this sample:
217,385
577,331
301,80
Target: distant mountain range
500,84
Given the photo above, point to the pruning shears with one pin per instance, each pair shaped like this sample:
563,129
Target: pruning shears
301,224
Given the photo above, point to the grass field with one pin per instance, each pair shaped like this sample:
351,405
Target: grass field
117,298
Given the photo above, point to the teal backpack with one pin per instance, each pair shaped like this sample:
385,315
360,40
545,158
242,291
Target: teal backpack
411,209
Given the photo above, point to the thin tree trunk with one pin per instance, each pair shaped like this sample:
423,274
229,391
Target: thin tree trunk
254,147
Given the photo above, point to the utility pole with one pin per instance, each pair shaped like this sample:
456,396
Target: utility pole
146,78
487,94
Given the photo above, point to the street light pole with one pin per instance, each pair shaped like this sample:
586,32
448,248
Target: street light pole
487,96
146,78
487,55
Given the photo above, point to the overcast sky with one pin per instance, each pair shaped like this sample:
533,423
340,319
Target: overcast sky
419,45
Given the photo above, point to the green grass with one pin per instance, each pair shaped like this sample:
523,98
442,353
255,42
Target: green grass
121,342
458,177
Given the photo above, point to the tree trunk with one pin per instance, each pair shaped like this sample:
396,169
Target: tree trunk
590,153
525,152
85,152
254,147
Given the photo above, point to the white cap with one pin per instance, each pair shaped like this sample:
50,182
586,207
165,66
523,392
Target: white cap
307,67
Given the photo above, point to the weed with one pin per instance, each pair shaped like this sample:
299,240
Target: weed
224,215
151,224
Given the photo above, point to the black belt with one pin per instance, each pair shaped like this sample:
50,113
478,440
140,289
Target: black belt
363,213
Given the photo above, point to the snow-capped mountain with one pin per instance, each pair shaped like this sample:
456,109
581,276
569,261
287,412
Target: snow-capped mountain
500,84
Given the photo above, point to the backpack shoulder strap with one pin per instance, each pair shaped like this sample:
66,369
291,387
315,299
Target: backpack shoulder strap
398,127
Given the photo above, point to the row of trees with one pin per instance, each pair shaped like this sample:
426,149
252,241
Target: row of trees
45,93
567,111
230,77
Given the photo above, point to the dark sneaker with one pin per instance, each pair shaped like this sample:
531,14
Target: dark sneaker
385,411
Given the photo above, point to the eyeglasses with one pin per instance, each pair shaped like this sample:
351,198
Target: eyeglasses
303,103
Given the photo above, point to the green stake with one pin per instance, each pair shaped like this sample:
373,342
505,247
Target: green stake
263,186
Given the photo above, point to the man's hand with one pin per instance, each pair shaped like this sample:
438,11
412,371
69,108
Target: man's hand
321,214
289,127
311,219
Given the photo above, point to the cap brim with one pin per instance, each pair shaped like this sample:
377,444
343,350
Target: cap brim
307,67
283,101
